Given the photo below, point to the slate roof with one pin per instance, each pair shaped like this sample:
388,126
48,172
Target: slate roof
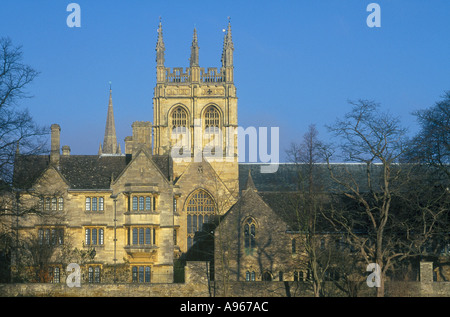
291,177
80,171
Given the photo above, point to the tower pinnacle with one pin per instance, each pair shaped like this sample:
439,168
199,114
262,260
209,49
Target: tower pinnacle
160,48
194,50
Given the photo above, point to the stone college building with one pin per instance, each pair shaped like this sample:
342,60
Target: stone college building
175,194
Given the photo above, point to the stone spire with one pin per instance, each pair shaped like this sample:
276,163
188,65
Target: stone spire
160,48
110,140
194,50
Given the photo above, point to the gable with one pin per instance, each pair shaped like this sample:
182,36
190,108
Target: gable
141,170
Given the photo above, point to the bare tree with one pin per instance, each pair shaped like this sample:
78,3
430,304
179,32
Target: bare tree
17,127
369,189
18,132
310,204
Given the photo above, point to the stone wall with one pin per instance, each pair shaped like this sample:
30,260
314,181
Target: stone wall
197,284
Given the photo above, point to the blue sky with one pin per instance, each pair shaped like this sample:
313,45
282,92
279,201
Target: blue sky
297,62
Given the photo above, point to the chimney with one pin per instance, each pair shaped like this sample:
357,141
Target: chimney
142,135
66,150
128,145
55,142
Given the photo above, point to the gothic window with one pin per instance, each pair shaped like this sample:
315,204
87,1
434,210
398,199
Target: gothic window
267,276
200,208
211,119
250,276
249,235
179,119
212,125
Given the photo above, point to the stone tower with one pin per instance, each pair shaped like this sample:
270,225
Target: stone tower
195,111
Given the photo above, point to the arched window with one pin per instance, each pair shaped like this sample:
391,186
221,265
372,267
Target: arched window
249,235
179,119
212,119
267,276
199,209
211,138
179,128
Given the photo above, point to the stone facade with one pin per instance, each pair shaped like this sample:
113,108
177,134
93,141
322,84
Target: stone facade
140,210
175,212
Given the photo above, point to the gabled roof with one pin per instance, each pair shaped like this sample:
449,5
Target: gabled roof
91,172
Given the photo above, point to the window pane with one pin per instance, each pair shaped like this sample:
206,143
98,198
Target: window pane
47,204
147,274
141,235
88,203
135,203
94,203
135,236
91,274
200,222
60,236
194,223
61,203
54,236
134,274
189,223
148,203
141,203
94,236
100,204
41,236
147,236
47,236
54,203
97,275
56,276
100,236
88,236
141,274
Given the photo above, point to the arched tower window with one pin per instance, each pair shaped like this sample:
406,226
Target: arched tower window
179,125
212,119
211,137
179,118
199,210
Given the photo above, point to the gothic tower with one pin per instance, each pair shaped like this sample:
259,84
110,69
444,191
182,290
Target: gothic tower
195,111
